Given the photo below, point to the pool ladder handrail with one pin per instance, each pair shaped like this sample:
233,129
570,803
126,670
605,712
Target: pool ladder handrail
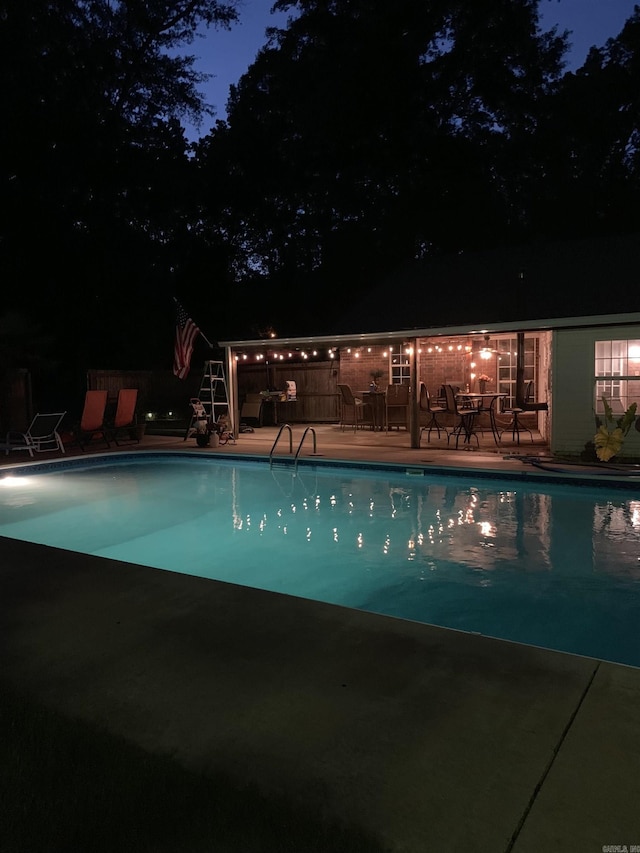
304,435
287,427
275,443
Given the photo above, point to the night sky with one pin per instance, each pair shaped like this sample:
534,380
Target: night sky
228,54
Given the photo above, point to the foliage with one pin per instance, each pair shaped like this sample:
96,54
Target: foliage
610,436
94,170
367,135
587,149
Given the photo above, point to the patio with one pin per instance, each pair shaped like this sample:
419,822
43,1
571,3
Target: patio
419,737
375,445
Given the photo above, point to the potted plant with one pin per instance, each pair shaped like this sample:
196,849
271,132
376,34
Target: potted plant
611,434
482,382
375,376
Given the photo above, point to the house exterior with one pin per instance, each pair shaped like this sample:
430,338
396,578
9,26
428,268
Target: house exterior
588,362
573,359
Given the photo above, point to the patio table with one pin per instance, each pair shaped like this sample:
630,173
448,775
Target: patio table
483,402
376,402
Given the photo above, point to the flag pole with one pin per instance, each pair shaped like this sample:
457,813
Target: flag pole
206,339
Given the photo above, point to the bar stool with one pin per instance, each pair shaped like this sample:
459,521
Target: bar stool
431,412
467,419
516,426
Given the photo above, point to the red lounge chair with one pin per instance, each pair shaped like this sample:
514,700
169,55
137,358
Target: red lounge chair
92,423
124,422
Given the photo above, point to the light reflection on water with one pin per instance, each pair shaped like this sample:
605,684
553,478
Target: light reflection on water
556,567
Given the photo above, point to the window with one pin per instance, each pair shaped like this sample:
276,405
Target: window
617,374
400,369
507,358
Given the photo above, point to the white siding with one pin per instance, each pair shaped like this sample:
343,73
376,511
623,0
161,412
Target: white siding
573,388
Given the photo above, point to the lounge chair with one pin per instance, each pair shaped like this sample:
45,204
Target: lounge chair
92,423
124,421
41,436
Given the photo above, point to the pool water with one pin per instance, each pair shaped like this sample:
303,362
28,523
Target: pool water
547,564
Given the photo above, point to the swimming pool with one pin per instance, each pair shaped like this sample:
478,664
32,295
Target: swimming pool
548,564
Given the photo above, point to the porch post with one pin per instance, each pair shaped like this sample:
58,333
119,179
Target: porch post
414,420
520,370
232,391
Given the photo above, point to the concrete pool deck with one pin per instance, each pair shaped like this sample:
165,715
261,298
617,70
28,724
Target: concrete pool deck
428,739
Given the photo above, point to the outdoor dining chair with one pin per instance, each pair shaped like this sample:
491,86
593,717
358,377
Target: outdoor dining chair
397,406
42,435
464,427
351,408
516,426
428,413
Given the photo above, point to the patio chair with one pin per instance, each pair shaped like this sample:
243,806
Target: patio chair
41,436
465,425
351,405
397,406
428,413
516,426
92,423
124,421
252,409
528,404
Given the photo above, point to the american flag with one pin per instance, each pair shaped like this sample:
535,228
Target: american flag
186,333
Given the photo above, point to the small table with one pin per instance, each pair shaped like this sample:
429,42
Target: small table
376,402
484,402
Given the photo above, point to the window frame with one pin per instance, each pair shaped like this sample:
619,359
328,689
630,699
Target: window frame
618,384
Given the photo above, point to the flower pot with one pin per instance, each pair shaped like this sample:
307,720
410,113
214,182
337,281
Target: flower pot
483,385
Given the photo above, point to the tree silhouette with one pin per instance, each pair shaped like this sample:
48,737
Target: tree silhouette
94,162
368,133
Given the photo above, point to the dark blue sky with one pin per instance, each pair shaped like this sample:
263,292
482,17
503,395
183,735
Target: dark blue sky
228,54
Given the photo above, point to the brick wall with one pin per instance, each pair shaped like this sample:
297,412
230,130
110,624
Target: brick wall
449,364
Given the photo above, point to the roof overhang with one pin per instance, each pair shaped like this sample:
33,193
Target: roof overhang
384,338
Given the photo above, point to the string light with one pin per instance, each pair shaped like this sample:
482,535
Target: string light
482,350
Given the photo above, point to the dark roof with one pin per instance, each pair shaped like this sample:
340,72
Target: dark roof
561,279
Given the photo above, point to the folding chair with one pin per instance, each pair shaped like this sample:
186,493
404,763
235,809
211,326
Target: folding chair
41,436
200,422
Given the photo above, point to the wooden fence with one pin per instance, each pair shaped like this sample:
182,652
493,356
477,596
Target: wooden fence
316,386
161,392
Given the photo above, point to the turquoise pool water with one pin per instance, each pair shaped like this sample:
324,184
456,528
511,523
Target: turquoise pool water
549,564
